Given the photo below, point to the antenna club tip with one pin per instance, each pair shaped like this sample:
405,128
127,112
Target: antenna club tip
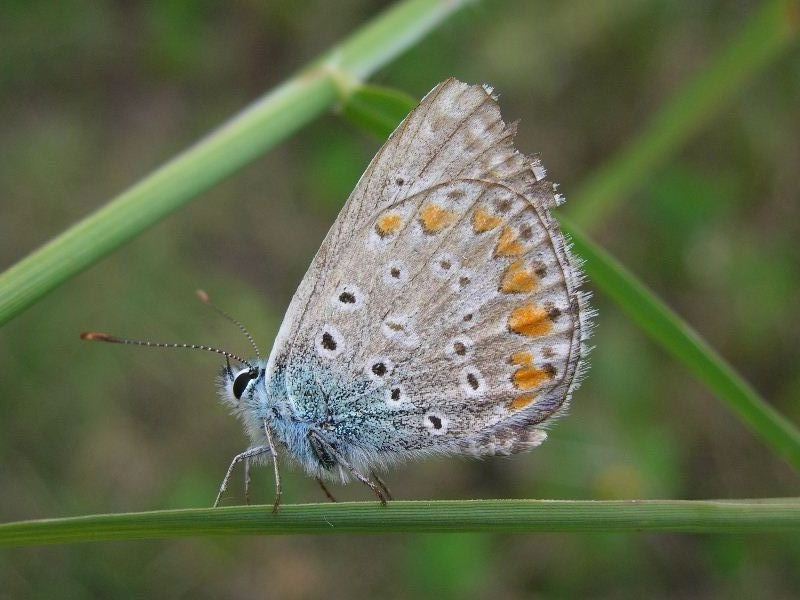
203,295
95,336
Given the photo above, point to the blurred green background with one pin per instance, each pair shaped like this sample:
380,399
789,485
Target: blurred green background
95,95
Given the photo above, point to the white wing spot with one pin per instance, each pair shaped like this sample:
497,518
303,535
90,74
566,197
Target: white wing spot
329,342
459,349
435,423
472,382
462,280
398,328
444,265
348,298
396,396
395,274
378,368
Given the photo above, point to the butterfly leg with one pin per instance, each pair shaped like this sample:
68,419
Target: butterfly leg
246,455
326,490
247,481
343,462
278,490
382,485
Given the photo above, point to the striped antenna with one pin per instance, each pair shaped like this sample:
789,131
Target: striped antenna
93,336
206,299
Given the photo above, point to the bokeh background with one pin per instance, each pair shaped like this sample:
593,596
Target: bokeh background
93,95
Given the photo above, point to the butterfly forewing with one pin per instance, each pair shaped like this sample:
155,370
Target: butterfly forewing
442,312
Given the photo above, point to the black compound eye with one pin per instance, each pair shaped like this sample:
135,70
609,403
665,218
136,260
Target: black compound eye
241,381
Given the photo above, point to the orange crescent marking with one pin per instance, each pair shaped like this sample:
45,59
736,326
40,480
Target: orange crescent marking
434,218
508,244
483,221
518,280
530,321
389,224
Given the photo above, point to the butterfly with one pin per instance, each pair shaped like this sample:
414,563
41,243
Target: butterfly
442,314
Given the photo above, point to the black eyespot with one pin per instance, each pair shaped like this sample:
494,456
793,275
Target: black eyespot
396,394
445,264
435,421
395,272
241,381
379,369
347,298
459,348
468,317
473,381
399,181
328,342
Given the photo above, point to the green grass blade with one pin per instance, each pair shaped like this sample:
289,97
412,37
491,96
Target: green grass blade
377,110
509,516
246,136
684,343
766,36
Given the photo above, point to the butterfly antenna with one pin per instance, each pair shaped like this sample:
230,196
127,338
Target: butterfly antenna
93,336
205,299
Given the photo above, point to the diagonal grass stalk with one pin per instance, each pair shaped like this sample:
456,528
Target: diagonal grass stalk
508,516
679,339
246,136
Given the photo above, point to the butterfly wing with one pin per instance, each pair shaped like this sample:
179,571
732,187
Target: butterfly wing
442,312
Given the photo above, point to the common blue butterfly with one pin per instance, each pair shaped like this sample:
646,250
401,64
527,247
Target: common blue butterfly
441,315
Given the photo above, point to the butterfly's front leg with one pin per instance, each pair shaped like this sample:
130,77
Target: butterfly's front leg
247,481
382,485
321,446
325,490
278,489
246,455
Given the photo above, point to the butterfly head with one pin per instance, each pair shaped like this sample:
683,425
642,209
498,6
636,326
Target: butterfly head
244,386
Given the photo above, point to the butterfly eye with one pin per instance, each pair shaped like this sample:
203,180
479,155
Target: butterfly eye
242,379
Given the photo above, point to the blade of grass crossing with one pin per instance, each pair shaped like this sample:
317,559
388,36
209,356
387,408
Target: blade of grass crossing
684,343
510,516
243,138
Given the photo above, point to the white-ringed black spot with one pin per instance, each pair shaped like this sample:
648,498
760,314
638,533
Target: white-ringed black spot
348,297
399,181
400,329
459,349
379,369
395,274
328,342
395,396
472,380
444,265
435,423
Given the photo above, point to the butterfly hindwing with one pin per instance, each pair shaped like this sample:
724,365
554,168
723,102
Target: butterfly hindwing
442,312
